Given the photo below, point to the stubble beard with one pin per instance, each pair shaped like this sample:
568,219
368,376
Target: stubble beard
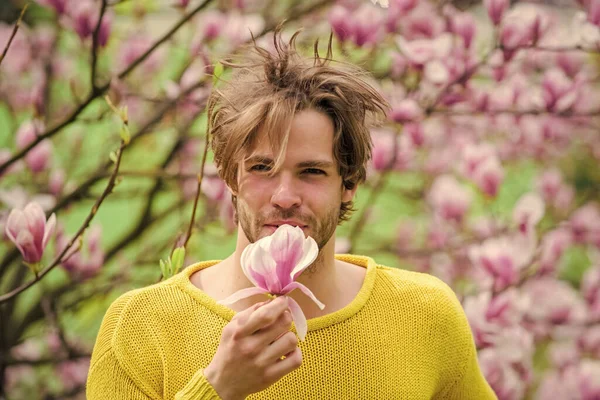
321,231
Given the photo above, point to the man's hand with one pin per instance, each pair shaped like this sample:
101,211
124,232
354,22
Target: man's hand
248,358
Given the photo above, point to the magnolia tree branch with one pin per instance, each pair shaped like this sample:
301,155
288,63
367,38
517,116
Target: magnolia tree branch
44,361
109,188
198,190
100,90
13,34
95,47
562,114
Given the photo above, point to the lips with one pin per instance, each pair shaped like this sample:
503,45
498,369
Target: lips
277,224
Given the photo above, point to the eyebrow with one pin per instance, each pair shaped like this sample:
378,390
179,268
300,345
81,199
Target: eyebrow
304,164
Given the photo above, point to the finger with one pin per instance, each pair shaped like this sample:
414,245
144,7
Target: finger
280,368
248,311
265,316
271,333
284,346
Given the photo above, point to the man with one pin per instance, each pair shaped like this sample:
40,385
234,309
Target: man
291,140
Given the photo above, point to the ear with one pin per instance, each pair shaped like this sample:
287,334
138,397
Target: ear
348,194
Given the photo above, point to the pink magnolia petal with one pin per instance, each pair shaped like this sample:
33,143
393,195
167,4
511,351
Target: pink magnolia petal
36,220
286,249
264,265
298,318
242,294
254,277
310,251
49,230
15,223
25,243
305,290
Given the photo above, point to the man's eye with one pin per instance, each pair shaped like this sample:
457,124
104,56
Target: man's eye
260,168
315,171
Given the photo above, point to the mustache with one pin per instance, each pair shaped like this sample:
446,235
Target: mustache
288,214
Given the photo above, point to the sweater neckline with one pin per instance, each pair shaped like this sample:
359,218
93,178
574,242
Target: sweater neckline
323,321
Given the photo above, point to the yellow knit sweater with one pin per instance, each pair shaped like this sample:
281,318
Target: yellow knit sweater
404,336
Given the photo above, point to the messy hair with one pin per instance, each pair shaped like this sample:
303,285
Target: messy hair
270,87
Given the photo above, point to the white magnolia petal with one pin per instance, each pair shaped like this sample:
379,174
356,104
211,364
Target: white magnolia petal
246,266
242,294
49,229
310,251
299,318
296,285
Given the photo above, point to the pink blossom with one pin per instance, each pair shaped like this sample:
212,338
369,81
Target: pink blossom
59,6
399,65
496,9
559,92
73,373
209,26
182,4
340,19
5,155
553,246
463,25
38,158
501,260
570,62
273,264
133,47
383,149
437,73
549,184
407,110
585,224
423,22
556,302
564,354
488,176
84,16
528,211
29,230
438,233
367,25
584,379
87,261
416,133
421,51
554,386
238,26
499,373
593,12
590,289
473,156
56,182
449,198
489,315
396,12
20,54
589,341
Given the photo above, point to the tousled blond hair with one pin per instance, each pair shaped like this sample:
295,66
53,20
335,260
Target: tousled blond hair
265,92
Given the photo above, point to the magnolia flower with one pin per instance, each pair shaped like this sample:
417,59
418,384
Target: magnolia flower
449,198
383,3
29,230
273,264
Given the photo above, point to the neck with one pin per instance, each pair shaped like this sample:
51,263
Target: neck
320,277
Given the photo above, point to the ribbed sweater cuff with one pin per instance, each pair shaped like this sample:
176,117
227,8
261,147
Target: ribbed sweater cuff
198,388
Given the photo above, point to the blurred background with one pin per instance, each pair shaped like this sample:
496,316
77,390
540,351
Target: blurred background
486,173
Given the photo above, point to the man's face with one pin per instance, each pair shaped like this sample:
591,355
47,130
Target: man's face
307,190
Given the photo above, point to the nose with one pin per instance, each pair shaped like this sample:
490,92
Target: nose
286,195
